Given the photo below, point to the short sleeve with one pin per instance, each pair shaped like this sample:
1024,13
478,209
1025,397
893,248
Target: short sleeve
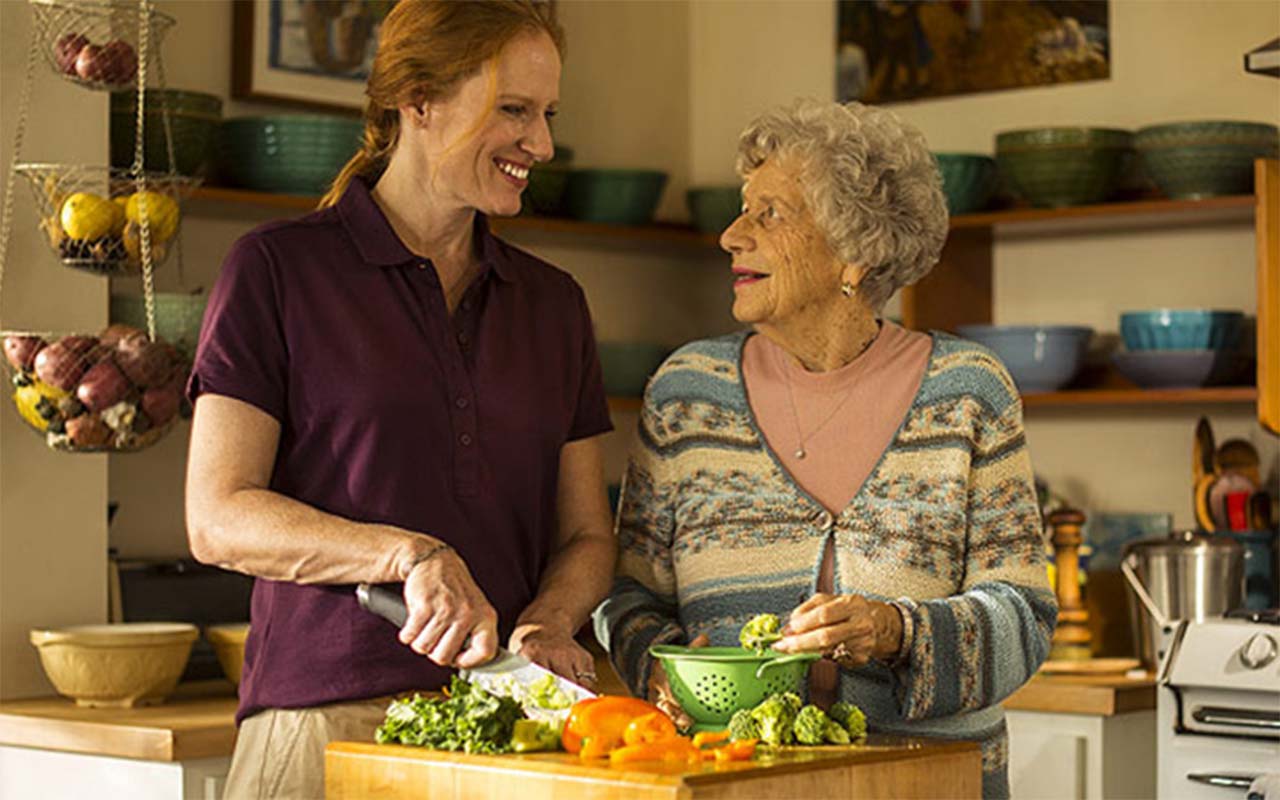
591,417
242,352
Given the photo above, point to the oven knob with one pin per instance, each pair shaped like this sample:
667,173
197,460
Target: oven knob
1259,651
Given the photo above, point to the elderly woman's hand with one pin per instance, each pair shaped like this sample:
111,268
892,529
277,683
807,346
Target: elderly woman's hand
847,627
660,693
556,650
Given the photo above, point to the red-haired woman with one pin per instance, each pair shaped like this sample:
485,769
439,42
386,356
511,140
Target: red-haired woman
387,393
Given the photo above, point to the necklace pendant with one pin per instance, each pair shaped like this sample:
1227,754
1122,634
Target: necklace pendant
800,452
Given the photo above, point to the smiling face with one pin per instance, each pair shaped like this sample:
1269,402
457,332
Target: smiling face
479,143
784,272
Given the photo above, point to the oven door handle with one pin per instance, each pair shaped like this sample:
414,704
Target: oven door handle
1227,780
1214,715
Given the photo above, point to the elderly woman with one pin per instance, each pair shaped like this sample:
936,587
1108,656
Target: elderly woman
868,484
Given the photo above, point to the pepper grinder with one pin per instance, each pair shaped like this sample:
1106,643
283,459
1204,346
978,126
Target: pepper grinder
1071,637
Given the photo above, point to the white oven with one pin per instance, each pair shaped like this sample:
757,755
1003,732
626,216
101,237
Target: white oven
1218,707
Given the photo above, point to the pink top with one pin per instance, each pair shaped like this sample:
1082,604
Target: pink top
843,420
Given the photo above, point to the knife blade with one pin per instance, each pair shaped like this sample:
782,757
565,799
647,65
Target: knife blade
508,674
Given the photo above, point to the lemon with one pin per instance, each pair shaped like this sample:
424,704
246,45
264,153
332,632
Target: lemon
28,399
119,215
162,214
87,216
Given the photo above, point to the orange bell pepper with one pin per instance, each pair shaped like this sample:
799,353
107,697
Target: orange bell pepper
678,748
596,726
652,727
709,737
741,750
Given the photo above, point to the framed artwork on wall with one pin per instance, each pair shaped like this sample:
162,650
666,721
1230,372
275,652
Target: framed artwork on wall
894,50
310,53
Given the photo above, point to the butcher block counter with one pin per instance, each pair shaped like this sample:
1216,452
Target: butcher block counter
883,767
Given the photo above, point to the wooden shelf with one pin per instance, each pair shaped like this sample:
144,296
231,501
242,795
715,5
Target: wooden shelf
1141,397
661,233
1234,207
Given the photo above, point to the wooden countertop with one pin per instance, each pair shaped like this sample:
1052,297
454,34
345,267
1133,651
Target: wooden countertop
1101,695
883,767
197,721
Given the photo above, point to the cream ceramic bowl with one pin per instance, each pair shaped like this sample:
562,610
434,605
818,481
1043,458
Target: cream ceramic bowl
228,646
115,666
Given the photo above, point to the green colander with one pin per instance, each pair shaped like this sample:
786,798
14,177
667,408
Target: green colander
710,683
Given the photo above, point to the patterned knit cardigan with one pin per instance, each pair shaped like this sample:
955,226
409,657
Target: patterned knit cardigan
712,530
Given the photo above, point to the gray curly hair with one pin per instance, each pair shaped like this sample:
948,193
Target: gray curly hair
872,185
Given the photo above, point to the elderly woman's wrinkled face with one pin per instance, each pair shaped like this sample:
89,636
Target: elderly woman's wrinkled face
783,269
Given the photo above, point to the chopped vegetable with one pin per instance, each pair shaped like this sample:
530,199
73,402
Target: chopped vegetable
776,719
653,727
677,748
546,693
469,719
531,736
596,726
709,737
811,725
743,726
742,750
760,632
836,734
851,717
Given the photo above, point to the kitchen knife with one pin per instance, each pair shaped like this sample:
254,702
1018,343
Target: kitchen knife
507,674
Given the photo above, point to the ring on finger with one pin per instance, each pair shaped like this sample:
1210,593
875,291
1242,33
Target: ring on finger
843,656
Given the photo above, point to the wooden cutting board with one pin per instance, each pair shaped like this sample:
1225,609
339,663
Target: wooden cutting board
884,767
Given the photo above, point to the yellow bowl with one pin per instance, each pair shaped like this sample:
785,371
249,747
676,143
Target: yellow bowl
228,646
115,666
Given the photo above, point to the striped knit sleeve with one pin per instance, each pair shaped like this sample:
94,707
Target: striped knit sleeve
973,649
641,610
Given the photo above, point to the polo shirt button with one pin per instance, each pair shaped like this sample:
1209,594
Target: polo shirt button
465,439
463,338
466,305
423,264
462,402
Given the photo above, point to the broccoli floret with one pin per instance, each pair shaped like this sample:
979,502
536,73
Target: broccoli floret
811,725
743,726
776,719
760,631
851,717
835,733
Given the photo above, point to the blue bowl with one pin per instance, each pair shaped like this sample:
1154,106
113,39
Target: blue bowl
1041,358
1181,329
1178,369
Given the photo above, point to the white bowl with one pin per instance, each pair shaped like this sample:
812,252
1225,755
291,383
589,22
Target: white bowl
115,666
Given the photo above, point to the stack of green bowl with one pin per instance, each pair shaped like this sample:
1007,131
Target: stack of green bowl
193,118
1055,167
547,183
620,196
714,208
968,180
1188,160
290,153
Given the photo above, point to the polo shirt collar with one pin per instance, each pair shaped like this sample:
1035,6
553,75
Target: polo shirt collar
379,245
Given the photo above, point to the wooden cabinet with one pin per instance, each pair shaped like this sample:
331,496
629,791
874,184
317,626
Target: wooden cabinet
1267,190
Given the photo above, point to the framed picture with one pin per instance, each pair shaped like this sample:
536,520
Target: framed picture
311,53
894,50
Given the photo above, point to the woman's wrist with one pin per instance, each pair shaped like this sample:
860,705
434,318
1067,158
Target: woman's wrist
887,625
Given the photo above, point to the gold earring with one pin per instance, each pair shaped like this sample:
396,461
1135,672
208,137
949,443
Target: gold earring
846,289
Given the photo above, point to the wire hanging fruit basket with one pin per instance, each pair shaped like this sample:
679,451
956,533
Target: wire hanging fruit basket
118,391
92,44
92,216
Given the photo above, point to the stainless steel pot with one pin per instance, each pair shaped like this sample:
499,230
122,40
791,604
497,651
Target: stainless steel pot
1185,575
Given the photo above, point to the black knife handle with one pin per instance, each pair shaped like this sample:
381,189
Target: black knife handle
384,602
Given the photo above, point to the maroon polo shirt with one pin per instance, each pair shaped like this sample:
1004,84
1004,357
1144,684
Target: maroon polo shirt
393,412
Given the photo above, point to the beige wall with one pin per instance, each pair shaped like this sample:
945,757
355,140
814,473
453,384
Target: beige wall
670,84
53,506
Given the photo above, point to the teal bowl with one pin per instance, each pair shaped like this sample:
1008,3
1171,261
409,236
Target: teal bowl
714,208
1181,329
620,196
545,193
294,153
968,180
1190,160
1058,167
628,365
178,317
193,121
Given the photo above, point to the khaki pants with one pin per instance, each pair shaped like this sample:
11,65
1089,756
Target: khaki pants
280,752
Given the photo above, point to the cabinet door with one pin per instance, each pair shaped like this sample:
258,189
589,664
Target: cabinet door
1267,189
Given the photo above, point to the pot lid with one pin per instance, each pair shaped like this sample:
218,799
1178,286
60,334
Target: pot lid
1183,541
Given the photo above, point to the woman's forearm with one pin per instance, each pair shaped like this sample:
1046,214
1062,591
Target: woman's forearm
268,535
576,580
